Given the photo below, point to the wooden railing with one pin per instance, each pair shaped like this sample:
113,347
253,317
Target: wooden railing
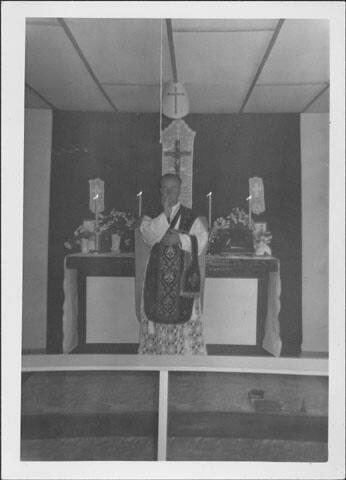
166,364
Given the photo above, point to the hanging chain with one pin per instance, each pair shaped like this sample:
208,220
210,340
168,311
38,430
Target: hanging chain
161,68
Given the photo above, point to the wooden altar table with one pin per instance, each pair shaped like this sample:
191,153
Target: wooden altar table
264,269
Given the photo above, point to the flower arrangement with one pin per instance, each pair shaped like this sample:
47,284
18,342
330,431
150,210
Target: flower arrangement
116,222
84,231
231,231
238,218
121,223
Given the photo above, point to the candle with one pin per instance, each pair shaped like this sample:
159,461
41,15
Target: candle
139,195
210,194
95,207
249,200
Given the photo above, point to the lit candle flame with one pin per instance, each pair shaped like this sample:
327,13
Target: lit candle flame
96,197
140,200
209,194
249,197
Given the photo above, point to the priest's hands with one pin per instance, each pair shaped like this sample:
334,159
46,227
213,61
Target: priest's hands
171,237
167,207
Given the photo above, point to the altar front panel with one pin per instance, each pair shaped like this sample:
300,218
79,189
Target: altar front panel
230,311
110,310
91,280
229,315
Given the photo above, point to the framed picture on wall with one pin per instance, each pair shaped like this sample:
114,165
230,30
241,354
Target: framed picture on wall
260,227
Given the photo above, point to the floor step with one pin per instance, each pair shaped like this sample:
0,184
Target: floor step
179,449
90,449
245,450
180,424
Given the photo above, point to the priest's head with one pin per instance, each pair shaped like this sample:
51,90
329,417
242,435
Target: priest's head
170,186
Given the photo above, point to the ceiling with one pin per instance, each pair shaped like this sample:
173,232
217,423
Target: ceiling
227,66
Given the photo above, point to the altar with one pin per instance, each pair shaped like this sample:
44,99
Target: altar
254,323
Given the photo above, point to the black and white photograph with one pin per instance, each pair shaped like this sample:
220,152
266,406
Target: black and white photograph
174,235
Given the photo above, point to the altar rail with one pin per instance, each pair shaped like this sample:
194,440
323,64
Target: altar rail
241,364
166,364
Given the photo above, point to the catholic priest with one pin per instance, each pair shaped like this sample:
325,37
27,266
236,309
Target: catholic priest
170,277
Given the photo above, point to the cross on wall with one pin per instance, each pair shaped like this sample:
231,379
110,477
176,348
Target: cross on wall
177,143
177,154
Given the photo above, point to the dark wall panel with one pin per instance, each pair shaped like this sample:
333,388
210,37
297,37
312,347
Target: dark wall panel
124,151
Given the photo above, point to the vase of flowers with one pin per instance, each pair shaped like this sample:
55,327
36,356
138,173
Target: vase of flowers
116,240
119,224
85,248
261,243
231,233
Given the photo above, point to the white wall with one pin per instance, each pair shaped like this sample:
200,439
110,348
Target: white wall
315,173
37,160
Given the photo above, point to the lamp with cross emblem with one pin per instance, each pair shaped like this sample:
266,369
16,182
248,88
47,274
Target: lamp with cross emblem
175,102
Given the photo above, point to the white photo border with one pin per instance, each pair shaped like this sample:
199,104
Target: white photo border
13,54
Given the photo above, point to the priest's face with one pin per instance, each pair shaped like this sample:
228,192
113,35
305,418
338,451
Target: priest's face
170,191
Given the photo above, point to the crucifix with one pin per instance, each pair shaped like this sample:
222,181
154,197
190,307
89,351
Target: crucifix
175,95
177,154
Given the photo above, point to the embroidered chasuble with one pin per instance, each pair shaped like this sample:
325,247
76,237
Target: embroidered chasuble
170,284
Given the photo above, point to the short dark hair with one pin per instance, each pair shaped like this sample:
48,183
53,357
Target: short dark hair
170,176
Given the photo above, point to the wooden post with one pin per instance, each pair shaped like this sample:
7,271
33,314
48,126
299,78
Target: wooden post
163,416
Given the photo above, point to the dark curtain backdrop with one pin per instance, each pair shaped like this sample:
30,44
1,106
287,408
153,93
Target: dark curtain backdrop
124,151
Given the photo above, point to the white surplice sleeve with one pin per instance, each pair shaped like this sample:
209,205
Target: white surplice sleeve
153,229
199,230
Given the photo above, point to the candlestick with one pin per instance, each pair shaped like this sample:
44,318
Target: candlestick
139,196
209,195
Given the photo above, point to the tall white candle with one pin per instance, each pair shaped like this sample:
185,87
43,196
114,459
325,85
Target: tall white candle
139,195
249,200
95,207
210,195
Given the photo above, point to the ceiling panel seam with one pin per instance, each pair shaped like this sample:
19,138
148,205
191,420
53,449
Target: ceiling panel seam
290,84
247,30
116,84
85,61
263,62
316,97
155,85
171,49
40,96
